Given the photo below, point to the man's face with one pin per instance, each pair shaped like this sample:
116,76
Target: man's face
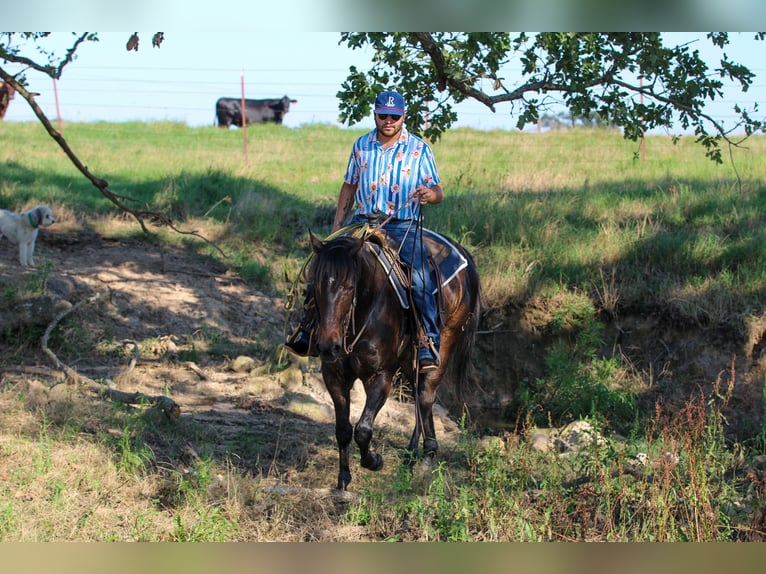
389,124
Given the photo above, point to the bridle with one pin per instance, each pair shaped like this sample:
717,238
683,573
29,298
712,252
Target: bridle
351,318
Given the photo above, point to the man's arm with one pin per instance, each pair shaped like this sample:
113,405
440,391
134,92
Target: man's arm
345,203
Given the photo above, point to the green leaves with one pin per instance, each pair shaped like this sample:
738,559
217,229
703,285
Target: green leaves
631,80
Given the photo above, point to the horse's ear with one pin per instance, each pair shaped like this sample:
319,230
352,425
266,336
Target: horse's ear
316,243
357,245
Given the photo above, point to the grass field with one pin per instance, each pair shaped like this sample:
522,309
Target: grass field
572,221
540,211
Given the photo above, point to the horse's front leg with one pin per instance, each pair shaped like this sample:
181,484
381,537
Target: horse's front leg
340,393
377,389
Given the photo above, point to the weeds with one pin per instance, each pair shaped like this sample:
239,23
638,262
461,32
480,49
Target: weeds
209,524
676,486
579,381
679,479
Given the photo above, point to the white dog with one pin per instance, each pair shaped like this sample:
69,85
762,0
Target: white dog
22,228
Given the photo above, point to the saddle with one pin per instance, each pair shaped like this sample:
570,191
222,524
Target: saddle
445,260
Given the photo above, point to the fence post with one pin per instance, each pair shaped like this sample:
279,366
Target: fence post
244,115
641,101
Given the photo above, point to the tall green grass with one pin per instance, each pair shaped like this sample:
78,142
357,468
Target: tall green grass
676,486
541,212
538,210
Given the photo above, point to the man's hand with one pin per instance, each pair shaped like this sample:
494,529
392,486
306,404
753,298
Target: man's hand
428,194
423,194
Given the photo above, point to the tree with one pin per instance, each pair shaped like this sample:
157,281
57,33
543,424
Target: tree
630,80
12,46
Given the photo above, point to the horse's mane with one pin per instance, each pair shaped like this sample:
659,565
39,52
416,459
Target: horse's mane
337,257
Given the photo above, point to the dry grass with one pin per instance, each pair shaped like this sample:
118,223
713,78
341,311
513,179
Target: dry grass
66,476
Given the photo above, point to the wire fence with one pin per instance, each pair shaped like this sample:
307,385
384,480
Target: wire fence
188,95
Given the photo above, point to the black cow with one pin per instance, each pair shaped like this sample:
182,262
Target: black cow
228,111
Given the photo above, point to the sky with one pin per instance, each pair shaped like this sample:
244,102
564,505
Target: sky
182,79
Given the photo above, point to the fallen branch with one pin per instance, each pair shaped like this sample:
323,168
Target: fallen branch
200,373
165,404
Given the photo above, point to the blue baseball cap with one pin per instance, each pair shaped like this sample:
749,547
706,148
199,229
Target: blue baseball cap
389,102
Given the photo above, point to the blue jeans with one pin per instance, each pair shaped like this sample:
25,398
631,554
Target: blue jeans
413,253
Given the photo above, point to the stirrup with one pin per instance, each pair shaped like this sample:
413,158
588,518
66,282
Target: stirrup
427,364
301,343
431,361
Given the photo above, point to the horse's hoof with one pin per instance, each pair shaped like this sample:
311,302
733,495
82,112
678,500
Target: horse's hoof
343,479
373,461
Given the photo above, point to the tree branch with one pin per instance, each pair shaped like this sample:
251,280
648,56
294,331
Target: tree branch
70,54
100,184
444,77
437,57
584,68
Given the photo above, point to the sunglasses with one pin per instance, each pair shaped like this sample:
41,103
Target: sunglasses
394,117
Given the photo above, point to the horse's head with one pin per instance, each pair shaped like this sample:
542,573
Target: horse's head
334,276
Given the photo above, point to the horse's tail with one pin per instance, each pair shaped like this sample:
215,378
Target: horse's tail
460,368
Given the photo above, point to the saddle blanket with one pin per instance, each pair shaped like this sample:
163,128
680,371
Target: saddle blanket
449,260
443,253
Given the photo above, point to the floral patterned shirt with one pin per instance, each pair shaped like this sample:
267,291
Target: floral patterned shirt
387,178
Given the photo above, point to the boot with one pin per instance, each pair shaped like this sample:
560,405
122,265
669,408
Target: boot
300,343
428,358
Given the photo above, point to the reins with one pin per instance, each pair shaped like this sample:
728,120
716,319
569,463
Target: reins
351,318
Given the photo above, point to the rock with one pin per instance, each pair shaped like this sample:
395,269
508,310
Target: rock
571,438
32,311
61,287
291,378
263,387
305,406
637,463
578,435
243,364
540,439
490,444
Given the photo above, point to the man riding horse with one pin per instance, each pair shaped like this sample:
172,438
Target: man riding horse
391,173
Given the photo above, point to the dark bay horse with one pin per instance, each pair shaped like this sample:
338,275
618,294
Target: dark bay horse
364,333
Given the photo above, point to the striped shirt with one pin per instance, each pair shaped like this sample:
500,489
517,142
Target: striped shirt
387,178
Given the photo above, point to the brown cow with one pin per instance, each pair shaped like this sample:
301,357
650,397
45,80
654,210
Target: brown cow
6,95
